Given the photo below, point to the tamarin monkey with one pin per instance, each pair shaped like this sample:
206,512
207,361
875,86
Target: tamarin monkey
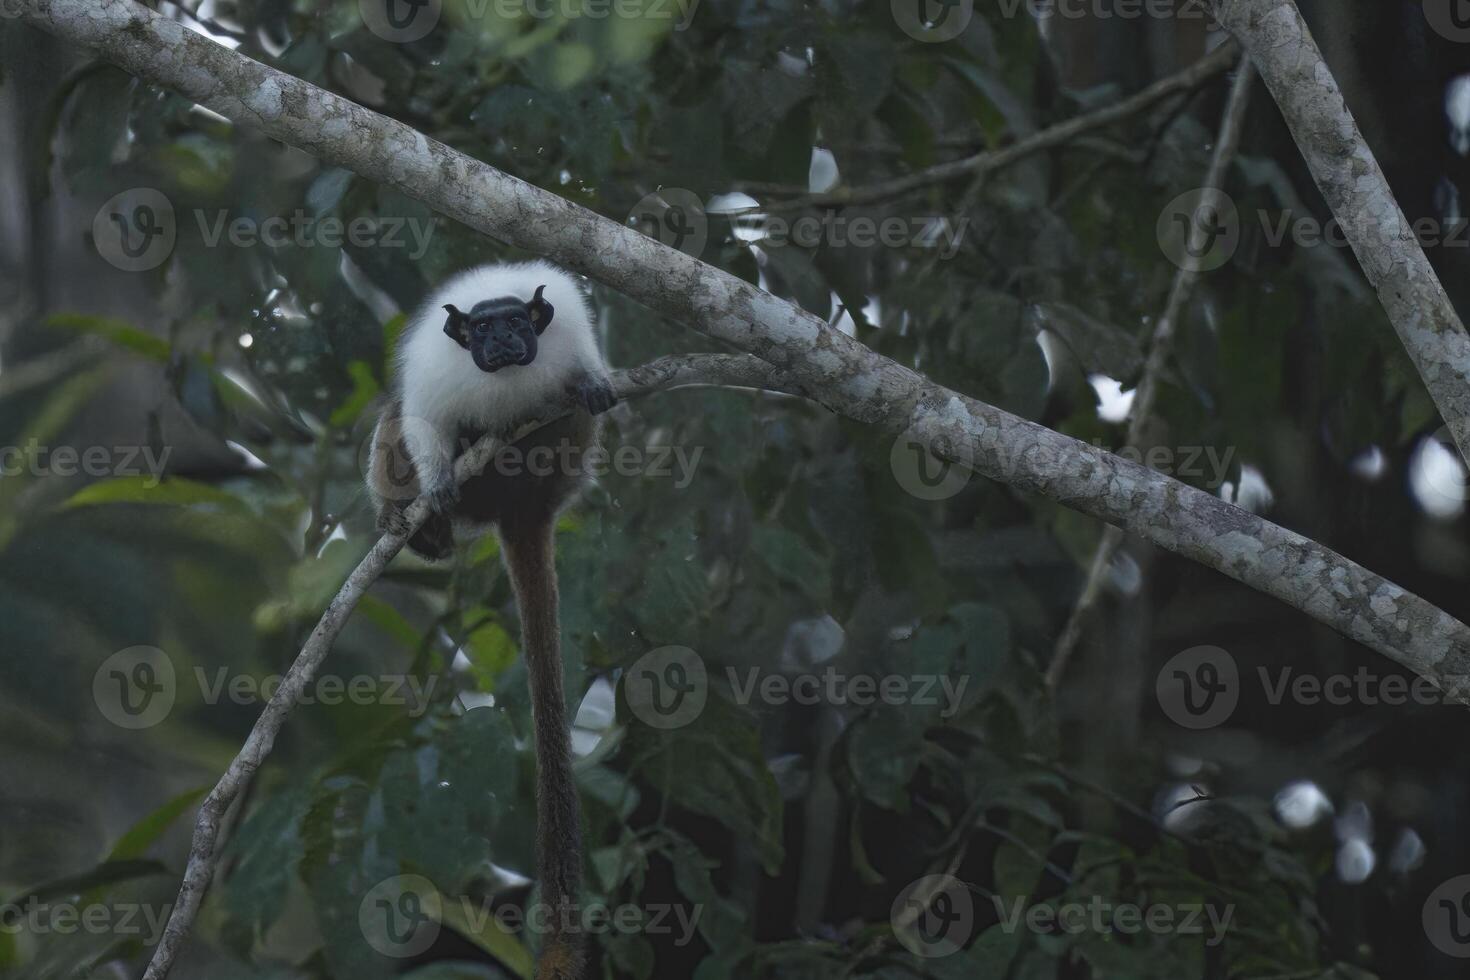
490,346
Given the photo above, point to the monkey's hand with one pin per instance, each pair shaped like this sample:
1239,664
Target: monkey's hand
595,394
445,496
393,521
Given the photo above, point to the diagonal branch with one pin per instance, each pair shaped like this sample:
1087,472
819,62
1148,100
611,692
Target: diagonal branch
1353,184
1153,370
836,370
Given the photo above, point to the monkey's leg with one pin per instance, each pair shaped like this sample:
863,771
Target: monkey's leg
529,554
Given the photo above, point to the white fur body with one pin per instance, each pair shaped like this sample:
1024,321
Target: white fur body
440,387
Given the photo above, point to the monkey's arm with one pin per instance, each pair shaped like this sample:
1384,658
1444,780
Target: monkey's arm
594,392
406,460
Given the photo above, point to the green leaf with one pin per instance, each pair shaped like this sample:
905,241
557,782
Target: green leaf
364,390
142,834
491,650
119,332
104,874
793,561
171,491
714,766
490,936
884,750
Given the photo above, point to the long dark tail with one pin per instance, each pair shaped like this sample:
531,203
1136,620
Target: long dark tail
530,556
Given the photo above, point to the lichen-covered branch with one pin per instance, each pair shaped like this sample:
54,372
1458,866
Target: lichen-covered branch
832,368
1353,184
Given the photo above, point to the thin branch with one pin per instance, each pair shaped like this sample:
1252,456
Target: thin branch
988,161
1351,181
722,370
1162,349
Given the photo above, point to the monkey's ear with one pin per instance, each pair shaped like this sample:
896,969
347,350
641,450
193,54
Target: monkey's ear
540,310
457,327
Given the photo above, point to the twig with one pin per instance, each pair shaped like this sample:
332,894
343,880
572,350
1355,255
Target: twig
737,370
990,160
1147,392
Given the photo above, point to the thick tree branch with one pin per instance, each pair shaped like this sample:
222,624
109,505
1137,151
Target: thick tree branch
1346,171
1159,353
832,368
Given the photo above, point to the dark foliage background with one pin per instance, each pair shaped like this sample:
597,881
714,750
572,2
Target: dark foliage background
791,827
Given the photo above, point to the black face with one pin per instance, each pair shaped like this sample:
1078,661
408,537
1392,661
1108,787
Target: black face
500,332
